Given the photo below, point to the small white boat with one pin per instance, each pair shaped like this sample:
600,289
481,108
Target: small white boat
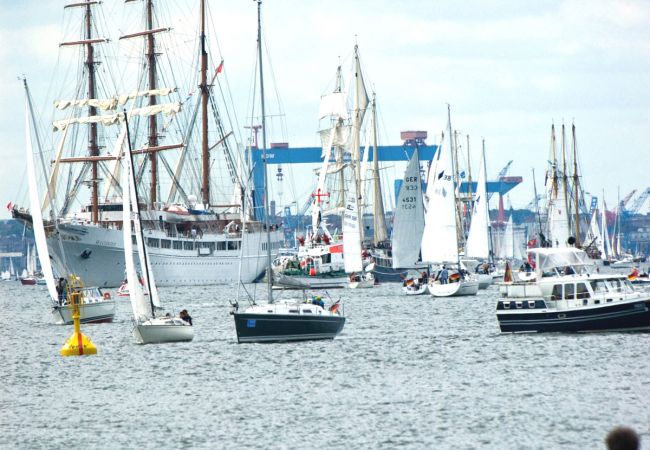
415,288
361,281
468,286
148,328
95,308
163,329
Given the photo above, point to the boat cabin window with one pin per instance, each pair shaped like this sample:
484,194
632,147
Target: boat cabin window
165,243
234,245
326,258
615,285
221,245
178,245
153,242
569,291
557,292
598,286
188,245
582,291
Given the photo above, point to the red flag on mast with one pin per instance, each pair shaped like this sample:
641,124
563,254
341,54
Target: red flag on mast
220,67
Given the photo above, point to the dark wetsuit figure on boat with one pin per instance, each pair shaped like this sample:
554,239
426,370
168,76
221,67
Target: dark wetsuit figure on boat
185,316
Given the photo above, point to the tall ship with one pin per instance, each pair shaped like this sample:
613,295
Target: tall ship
191,167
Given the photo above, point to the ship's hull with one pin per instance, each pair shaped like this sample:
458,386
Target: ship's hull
102,311
157,333
96,255
534,316
286,327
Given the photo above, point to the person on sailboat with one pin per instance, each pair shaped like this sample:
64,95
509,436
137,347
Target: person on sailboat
184,315
61,288
444,275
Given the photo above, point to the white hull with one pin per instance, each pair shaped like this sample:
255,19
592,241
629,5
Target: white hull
101,311
415,290
365,284
484,281
457,289
96,255
156,331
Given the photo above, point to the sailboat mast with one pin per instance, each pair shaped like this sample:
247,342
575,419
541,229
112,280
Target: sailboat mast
453,171
205,151
460,230
381,233
469,180
269,274
153,125
356,155
539,216
136,209
487,209
92,111
576,184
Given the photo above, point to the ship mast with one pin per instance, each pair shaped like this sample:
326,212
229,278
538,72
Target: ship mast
575,184
565,181
205,151
153,125
93,148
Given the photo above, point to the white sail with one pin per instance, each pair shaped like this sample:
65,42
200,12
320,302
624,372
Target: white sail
351,232
558,217
117,118
440,239
333,105
508,241
140,305
478,245
408,223
37,216
316,209
145,262
607,243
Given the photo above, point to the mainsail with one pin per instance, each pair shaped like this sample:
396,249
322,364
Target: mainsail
408,223
37,216
439,240
478,241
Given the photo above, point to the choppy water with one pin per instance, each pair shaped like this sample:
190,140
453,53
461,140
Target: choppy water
409,372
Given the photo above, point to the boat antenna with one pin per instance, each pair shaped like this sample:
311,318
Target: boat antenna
269,273
145,269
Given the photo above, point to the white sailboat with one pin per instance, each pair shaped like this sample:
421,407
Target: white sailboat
95,306
148,328
408,226
440,238
478,239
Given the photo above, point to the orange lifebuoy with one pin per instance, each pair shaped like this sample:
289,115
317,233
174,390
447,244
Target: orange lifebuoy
107,295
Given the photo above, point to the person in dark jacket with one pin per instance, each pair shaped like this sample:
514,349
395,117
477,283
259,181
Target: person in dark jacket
185,316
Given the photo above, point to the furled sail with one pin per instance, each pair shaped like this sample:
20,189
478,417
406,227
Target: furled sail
117,118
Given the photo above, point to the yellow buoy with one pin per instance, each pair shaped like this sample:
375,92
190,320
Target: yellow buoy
77,344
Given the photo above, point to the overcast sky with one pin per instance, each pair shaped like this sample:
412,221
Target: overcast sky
508,68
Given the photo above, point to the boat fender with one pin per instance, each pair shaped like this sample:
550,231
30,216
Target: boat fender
107,295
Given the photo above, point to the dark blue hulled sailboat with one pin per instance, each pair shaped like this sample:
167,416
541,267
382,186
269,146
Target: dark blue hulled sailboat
288,320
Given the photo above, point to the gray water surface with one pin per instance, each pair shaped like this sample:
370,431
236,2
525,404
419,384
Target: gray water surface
407,372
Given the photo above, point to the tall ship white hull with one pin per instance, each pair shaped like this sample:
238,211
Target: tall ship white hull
96,254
